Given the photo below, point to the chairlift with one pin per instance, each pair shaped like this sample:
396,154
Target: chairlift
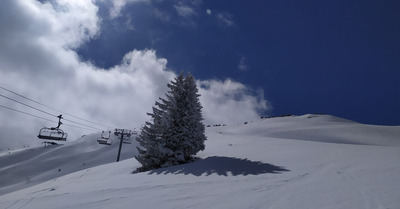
128,139
53,133
104,139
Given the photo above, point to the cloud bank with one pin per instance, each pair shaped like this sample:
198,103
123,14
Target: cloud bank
38,60
230,102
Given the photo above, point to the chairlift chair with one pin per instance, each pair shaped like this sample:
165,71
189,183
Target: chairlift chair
54,133
128,139
104,139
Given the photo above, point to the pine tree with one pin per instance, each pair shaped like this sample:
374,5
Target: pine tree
194,128
176,132
150,140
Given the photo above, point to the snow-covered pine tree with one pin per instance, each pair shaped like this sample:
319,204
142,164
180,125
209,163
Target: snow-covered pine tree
176,132
194,128
155,143
150,140
174,122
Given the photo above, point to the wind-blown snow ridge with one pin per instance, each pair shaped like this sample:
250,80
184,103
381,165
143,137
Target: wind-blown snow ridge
321,128
244,166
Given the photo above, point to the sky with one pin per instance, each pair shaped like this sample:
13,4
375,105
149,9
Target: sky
339,58
109,61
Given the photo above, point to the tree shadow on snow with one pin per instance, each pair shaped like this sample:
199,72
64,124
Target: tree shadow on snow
221,166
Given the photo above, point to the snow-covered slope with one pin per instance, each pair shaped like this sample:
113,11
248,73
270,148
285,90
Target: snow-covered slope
321,128
308,162
27,167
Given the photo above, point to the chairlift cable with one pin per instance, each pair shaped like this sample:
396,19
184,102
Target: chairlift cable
81,124
44,111
28,105
79,127
9,108
50,107
19,111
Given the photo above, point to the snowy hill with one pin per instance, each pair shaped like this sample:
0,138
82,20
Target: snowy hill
310,161
28,167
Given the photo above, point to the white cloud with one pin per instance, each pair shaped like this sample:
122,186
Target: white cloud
184,11
229,102
118,5
195,3
162,15
225,18
242,64
129,23
37,59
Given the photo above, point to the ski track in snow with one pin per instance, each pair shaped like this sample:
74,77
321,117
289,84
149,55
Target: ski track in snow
310,162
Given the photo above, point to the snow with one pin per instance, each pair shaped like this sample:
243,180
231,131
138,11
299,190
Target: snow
310,161
26,167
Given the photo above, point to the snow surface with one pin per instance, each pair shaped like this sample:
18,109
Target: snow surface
22,168
310,161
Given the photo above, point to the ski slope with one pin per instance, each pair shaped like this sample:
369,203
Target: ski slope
26,167
302,162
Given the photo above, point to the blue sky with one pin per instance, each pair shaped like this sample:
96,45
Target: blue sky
336,57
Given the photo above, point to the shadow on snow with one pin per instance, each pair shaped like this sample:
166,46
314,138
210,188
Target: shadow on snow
221,166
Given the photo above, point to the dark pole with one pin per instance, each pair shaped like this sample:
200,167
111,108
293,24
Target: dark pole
120,145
